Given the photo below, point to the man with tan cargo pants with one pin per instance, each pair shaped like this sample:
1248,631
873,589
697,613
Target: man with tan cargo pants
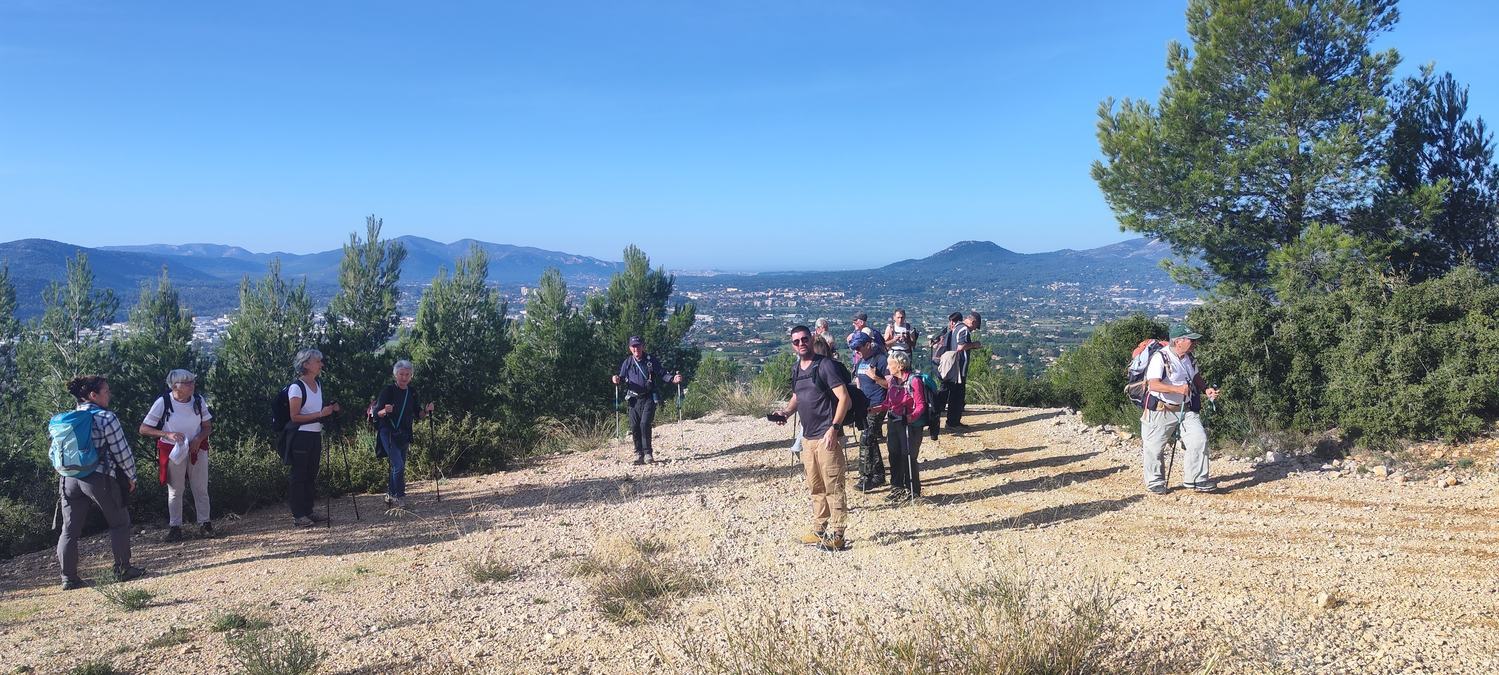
820,396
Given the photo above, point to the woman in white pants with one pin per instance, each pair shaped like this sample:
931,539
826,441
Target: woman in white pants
180,423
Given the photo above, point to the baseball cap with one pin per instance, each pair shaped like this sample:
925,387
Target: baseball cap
1181,330
636,341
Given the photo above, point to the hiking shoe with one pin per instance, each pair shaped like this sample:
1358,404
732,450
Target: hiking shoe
173,535
205,528
833,542
316,518
1205,486
650,458
303,521
639,460
897,494
811,538
128,573
390,500
70,584
1158,489
398,502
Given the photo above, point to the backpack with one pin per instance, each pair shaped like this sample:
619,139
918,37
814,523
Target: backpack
282,428
166,407
1139,362
939,346
858,408
928,399
72,450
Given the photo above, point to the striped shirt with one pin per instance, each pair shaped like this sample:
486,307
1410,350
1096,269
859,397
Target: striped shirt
109,438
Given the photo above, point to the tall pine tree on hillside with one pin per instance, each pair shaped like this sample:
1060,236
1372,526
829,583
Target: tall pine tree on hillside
557,369
638,302
158,338
460,340
363,317
1440,207
1274,123
68,340
253,361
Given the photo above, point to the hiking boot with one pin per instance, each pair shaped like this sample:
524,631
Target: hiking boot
72,583
128,573
1158,489
173,535
897,494
390,500
650,458
317,518
1205,486
639,460
811,538
833,542
303,521
398,502
205,528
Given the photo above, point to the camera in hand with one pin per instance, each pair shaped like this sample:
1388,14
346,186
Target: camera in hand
776,417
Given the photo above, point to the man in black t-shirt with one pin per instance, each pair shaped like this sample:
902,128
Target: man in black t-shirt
820,396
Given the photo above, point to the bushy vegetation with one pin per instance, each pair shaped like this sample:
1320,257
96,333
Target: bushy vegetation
502,388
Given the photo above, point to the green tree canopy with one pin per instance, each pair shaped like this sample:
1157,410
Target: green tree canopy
460,339
638,302
362,317
253,361
558,369
1273,124
158,338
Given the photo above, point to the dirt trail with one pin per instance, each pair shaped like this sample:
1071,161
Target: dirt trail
1409,568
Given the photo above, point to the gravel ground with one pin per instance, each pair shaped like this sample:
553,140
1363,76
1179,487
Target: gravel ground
1296,565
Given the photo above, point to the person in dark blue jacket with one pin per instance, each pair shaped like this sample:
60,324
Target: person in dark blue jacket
641,374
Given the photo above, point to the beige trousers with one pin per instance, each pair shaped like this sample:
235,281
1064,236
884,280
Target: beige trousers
825,467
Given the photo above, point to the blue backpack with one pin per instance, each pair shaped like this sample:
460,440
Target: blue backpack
73,453
929,400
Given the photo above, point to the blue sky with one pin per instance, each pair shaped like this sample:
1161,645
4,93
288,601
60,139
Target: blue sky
738,135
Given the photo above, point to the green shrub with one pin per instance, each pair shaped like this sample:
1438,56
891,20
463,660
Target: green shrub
23,526
242,478
1092,376
122,596
99,666
276,652
774,377
228,621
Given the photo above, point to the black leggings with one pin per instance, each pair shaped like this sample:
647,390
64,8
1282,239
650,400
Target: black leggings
306,452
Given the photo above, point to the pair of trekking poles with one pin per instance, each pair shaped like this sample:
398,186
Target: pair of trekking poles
1176,433
618,431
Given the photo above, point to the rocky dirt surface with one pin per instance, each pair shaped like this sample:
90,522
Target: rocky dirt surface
1296,565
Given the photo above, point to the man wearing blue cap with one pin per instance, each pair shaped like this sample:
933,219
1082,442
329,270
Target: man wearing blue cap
641,374
1172,406
874,378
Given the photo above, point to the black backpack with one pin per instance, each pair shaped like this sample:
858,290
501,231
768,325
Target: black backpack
939,345
166,407
282,428
858,409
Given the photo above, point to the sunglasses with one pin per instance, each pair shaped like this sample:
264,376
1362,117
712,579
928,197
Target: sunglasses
800,340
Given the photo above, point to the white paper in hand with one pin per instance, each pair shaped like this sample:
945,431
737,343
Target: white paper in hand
179,452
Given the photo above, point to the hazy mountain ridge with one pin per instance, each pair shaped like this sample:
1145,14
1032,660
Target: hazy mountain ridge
209,274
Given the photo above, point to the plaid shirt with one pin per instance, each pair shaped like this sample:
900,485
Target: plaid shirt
109,438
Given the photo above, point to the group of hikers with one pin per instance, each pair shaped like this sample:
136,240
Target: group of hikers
890,401
97,466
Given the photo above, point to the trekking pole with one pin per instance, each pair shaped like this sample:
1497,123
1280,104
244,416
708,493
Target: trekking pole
616,413
432,457
349,474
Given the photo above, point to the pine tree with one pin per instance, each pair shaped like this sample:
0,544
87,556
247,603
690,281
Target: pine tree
557,368
158,338
459,342
362,318
274,320
1273,124
69,339
638,302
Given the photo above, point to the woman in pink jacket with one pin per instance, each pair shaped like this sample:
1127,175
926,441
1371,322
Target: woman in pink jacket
906,402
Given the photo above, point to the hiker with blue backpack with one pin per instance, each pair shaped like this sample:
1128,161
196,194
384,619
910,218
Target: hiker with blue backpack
394,413
96,466
910,407
303,444
180,421
1171,404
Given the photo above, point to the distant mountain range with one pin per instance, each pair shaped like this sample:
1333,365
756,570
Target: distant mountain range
209,274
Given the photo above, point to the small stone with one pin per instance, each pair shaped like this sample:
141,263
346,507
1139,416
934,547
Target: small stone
1325,600
1380,471
1273,457
1448,481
